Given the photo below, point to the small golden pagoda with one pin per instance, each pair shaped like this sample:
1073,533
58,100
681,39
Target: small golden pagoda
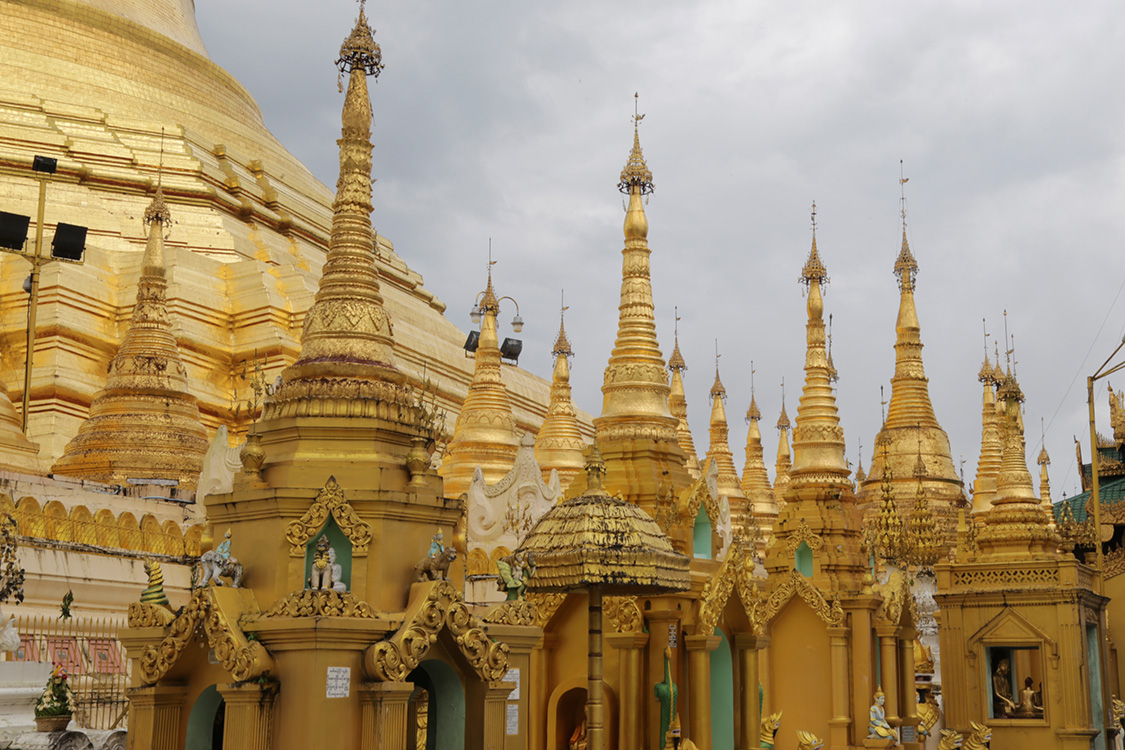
911,432
784,461
1028,619
677,404
16,451
991,449
145,423
755,478
559,445
485,432
324,617
718,450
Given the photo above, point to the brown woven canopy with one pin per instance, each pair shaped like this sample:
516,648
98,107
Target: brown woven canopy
603,541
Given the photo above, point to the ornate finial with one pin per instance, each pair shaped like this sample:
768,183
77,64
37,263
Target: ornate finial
1044,459
783,420
154,594
359,51
987,373
889,543
562,345
919,466
595,471
676,360
717,390
906,268
636,173
752,414
158,209
882,407
833,373
814,269
489,302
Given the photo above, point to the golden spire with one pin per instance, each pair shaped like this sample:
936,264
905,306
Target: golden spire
145,422
1016,526
347,345
818,439
485,433
677,404
910,421
635,391
719,451
889,544
784,462
991,448
1044,481
923,546
755,479
559,444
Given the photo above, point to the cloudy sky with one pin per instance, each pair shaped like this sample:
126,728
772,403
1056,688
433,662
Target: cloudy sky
511,121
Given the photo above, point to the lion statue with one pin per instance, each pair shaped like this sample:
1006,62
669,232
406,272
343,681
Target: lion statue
435,567
769,728
979,739
950,740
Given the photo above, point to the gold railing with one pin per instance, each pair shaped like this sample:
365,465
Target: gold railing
94,659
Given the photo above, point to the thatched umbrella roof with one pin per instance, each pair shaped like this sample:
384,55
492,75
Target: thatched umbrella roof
601,541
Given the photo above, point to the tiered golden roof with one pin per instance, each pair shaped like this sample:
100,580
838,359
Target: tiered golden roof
889,542
719,451
911,422
755,478
145,422
1016,526
923,541
485,433
677,404
559,444
988,465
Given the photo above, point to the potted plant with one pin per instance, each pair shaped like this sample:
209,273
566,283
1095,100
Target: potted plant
52,711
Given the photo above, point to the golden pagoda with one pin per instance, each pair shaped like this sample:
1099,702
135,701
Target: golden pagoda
719,451
784,461
485,432
988,465
16,451
335,616
677,404
145,423
559,445
755,478
1044,461
1028,618
911,427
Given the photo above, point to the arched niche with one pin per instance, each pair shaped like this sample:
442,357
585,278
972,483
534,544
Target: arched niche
105,527
722,694
340,542
701,534
206,720
566,709
82,524
446,725
803,559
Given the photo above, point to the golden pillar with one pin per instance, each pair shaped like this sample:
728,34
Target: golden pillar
249,714
909,712
699,648
888,670
631,687
154,716
838,724
485,724
521,641
539,693
749,648
385,715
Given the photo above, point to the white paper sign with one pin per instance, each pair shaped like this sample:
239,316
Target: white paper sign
339,682
513,717
513,675
671,635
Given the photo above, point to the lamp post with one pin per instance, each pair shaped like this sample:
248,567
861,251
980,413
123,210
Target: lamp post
68,244
487,303
1101,372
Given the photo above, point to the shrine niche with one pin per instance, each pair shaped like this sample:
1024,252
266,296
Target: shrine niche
330,516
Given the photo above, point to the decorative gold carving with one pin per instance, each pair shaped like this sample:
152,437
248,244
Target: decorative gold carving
242,658
329,501
994,578
545,606
896,594
802,533
623,613
145,615
1114,562
321,603
797,585
515,612
393,659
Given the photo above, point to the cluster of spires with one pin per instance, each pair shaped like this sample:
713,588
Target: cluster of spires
639,402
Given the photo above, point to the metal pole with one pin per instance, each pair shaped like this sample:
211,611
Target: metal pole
33,300
1094,483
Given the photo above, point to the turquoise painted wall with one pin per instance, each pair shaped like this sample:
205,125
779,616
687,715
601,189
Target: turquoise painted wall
803,560
339,542
722,696
201,720
701,538
447,704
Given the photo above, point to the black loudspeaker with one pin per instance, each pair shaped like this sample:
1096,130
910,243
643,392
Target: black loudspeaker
45,164
69,242
511,349
13,230
473,341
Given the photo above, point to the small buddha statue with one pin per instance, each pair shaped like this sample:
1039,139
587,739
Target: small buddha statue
1002,702
878,728
1027,708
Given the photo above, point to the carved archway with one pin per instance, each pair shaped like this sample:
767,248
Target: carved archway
330,501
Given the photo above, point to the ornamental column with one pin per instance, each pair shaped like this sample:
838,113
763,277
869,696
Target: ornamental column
699,648
750,719
838,724
385,715
631,687
910,719
249,713
154,716
889,672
